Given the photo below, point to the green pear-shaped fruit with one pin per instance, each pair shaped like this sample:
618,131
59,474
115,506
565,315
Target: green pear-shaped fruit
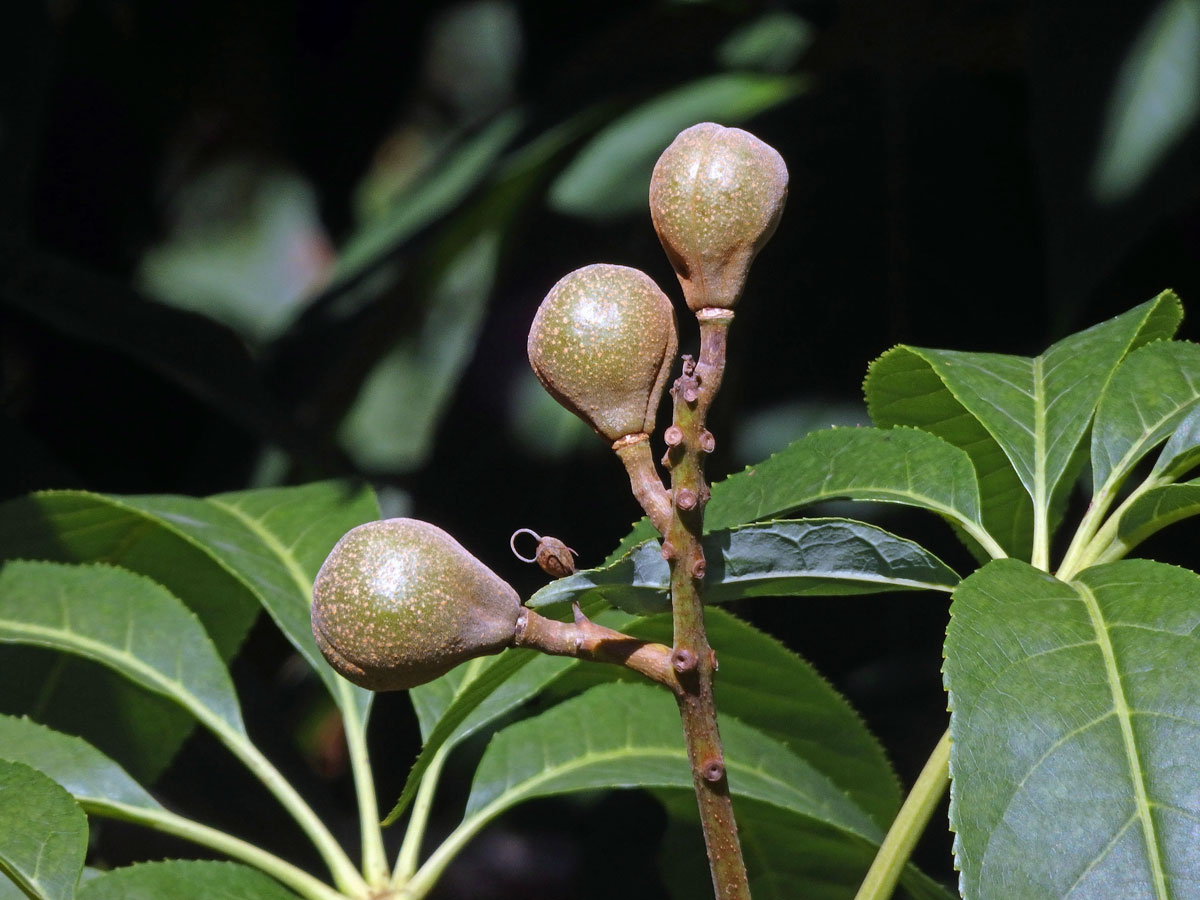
715,197
603,342
399,602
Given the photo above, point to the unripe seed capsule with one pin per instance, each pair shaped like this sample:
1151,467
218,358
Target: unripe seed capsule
603,342
715,197
399,602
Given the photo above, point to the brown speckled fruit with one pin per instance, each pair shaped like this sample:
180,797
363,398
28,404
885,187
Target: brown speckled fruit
715,197
603,342
399,602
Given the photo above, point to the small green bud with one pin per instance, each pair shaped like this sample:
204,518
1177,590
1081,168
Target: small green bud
399,602
715,197
603,343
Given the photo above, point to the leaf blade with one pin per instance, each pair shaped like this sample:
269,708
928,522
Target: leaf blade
787,856
1072,713
1154,511
1020,419
1149,398
895,465
796,558
274,541
82,770
624,735
125,622
43,833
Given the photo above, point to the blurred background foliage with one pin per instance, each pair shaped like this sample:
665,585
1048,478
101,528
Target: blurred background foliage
246,244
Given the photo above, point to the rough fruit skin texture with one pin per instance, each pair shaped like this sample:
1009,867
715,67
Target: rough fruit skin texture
602,343
399,602
716,196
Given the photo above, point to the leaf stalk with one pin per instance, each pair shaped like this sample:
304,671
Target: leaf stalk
909,824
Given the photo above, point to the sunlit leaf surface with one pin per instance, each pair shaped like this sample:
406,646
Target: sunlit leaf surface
1076,714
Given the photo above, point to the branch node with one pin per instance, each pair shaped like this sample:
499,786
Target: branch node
686,498
683,660
713,770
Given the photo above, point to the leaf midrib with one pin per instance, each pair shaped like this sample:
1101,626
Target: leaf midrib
290,563
344,695
1124,717
170,687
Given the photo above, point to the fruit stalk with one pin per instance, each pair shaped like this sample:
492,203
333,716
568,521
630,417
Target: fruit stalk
692,656
584,639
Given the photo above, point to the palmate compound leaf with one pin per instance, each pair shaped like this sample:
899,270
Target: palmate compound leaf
184,880
125,622
781,558
1020,419
222,565
1076,732
43,833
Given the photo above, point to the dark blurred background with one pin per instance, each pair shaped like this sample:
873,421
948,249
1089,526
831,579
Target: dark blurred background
248,244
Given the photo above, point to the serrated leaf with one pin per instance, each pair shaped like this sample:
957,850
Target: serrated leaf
894,465
86,773
1075,713
1154,511
627,735
274,541
143,730
125,622
184,880
611,175
787,856
767,687
43,833
82,527
223,567
762,683
1014,415
781,558
1150,395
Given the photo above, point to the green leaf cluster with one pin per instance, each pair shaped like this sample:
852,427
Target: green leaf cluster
1070,669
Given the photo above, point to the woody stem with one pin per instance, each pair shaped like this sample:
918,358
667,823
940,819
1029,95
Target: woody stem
689,444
